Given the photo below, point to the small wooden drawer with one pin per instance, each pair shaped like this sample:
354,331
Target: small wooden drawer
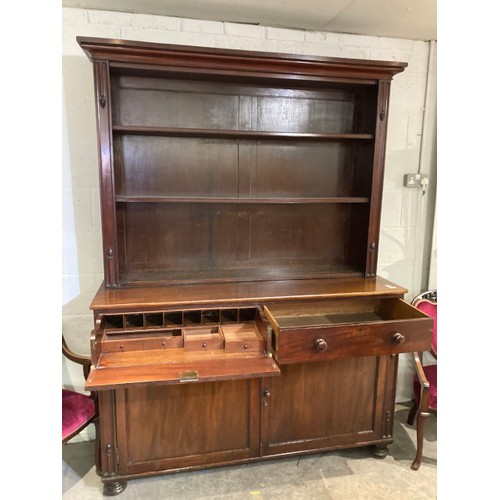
347,328
124,342
242,337
203,338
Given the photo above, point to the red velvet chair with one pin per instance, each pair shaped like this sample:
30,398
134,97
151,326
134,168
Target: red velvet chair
425,381
78,410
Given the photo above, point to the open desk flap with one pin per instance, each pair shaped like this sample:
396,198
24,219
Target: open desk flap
117,370
133,354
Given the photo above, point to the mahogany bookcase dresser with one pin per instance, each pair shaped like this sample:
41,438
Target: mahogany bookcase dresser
241,317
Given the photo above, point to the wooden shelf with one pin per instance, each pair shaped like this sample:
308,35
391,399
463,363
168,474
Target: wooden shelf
131,278
236,134
234,200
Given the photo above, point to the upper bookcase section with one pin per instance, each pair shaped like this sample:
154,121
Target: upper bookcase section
226,165
247,64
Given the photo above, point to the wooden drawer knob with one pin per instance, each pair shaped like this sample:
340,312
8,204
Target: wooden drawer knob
398,338
320,345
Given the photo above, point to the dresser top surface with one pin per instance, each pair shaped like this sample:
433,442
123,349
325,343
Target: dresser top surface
254,292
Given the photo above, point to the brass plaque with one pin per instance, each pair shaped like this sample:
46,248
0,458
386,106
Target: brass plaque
191,376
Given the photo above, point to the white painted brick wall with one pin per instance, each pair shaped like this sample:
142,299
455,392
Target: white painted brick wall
195,26
322,37
244,30
112,18
403,211
369,42
283,34
145,21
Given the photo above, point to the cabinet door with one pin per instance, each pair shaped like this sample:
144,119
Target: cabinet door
330,404
169,427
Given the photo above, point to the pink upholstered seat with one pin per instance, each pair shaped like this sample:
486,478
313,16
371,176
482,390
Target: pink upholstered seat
430,308
77,411
425,381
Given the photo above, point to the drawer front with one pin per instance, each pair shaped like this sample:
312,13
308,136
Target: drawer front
203,338
243,338
411,331
325,343
126,343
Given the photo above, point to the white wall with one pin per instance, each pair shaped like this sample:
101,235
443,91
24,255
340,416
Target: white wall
405,230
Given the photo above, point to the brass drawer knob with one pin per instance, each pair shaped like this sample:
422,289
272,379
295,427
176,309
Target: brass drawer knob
398,338
320,345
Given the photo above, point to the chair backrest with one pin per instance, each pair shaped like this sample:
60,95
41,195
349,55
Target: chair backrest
76,358
78,410
427,303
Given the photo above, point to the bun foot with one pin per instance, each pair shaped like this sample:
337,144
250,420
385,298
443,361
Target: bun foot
380,451
113,488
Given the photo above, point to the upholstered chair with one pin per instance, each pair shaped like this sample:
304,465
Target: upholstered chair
78,410
425,381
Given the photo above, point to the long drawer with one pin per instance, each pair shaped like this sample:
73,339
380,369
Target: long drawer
320,331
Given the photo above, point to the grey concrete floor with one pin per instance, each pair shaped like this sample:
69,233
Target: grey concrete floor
347,474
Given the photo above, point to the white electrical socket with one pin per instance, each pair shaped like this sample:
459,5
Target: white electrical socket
416,180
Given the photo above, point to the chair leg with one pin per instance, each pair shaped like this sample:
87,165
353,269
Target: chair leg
422,417
412,414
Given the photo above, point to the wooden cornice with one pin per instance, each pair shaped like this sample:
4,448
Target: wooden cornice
130,54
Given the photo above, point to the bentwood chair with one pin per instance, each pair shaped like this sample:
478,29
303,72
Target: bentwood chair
425,381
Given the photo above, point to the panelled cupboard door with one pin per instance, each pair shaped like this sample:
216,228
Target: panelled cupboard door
171,427
330,404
